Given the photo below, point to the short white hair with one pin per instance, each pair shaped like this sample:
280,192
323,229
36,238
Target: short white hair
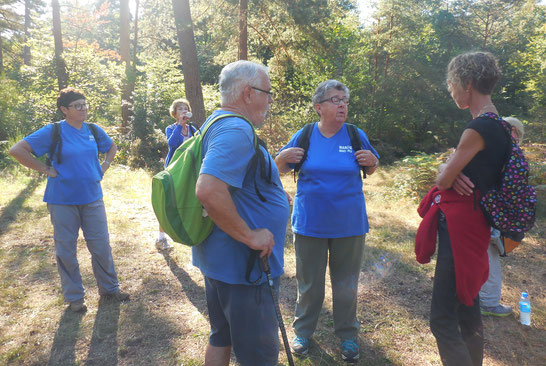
321,92
516,123
236,75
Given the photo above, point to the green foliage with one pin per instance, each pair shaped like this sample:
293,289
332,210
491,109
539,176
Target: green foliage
10,113
536,157
416,174
393,66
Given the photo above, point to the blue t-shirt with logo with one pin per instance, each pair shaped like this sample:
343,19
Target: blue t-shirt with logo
79,173
329,201
228,148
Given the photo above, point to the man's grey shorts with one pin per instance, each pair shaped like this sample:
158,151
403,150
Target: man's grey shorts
243,316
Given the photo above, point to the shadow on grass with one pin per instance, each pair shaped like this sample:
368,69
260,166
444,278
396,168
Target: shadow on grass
63,348
9,213
103,349
194,292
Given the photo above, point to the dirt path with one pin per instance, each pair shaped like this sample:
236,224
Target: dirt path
165,323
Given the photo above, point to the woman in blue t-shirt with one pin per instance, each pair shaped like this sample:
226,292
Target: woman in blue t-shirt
74,195
329,217
176,133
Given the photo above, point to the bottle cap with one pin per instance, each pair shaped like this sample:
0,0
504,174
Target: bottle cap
524,295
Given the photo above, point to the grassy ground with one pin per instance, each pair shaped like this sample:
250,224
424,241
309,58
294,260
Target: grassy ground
165,323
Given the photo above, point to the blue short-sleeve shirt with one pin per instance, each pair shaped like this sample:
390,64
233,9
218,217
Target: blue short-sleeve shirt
329,201
228,148
79,173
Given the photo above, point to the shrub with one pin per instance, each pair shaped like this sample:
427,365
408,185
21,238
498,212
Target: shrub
415,175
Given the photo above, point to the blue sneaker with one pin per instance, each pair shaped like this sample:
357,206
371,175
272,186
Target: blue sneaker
300,346
499,310
349,350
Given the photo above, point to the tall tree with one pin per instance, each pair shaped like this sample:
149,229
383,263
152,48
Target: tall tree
243,32
128,83
1,56
62,75
188,56
26,49
11,25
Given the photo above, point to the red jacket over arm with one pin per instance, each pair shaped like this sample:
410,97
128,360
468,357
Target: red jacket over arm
469,234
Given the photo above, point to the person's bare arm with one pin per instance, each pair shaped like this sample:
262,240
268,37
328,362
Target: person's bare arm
292,155
470,144
109,157
216,199
22,152
367,159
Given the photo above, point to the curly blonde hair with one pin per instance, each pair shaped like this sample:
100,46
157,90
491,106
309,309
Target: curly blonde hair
176,103
480,69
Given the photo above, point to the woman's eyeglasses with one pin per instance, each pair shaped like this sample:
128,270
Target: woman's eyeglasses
336,100
79,106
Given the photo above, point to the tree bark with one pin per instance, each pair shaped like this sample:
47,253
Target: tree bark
124,38
188,56
243,30
135,35
62,75
387,56
1,56
124,51
26,49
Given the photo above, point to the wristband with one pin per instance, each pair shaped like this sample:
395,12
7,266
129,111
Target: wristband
106,162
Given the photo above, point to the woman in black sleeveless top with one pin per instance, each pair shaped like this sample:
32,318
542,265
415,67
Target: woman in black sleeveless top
474,167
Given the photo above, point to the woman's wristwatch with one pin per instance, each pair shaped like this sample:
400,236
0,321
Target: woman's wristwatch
106,162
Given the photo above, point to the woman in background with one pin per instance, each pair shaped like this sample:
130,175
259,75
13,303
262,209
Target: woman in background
176,133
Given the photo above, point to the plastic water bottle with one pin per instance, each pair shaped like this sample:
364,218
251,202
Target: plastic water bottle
525,309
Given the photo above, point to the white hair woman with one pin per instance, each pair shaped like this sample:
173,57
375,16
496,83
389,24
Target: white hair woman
329,217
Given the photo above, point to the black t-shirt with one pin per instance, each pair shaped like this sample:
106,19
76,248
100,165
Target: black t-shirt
484,170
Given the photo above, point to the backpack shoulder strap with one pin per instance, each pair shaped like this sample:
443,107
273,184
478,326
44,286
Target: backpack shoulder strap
56,143
356,144
303,142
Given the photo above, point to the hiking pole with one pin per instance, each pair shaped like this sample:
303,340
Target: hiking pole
266,269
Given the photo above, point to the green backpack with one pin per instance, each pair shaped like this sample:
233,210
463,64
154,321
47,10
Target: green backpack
179,212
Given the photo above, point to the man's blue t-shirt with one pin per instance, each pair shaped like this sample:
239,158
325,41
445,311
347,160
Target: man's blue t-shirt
228,148
329,201
79,173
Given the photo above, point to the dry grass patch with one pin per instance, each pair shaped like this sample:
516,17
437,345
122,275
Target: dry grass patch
165,323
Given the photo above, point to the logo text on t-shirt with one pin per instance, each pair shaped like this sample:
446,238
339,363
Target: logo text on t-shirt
345,148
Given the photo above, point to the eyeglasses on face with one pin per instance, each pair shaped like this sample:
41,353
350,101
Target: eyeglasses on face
268,92
79,106
336,100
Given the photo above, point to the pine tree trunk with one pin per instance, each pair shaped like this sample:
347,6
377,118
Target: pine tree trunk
188,55
243,31
1,56
124,51
62,75
26,49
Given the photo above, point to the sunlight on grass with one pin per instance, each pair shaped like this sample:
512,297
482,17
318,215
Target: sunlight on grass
166,320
